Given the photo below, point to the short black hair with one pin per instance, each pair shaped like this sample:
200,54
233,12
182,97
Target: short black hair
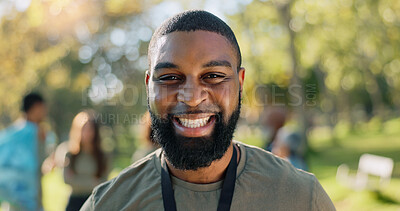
193,20
30,100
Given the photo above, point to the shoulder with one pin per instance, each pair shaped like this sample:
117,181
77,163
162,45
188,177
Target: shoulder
277,178
26,126
133,186
267,166
260,159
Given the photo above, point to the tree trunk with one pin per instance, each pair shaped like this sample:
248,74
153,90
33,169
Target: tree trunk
296,82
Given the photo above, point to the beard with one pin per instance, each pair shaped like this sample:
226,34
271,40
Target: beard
188,153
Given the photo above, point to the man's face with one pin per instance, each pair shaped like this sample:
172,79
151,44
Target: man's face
193,92
38,112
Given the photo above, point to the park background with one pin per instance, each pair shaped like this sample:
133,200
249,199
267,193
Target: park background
334,63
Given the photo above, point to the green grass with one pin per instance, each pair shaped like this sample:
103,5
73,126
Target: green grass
323,161
328,156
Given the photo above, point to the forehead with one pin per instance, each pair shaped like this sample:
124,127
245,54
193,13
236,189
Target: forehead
39,104
198,45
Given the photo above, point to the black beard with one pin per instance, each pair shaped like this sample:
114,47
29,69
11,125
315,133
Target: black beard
187,153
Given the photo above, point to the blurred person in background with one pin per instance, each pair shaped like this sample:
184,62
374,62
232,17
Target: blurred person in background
281,139
288,145
272,119
19,157
86,165
147,145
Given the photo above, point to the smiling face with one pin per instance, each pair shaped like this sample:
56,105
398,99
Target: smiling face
193,72
193,90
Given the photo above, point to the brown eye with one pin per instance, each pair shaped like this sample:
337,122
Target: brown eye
213,78
169,79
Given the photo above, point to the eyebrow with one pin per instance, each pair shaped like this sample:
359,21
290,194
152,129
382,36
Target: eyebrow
165,65
213,63
218,63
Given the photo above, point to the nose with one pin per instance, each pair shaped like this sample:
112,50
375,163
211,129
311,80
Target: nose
192,94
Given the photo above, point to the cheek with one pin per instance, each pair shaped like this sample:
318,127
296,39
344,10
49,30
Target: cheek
226,96
161,99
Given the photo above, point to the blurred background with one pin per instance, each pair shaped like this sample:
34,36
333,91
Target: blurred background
333,65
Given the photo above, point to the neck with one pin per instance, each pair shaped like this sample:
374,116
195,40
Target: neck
31,119
213,173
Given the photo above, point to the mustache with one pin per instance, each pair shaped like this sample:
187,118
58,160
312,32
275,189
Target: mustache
184,109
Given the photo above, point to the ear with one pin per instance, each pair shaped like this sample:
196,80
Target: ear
241,74
146,77
146,80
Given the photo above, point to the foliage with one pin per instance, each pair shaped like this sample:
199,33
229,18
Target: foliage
83,54
65,50
347,49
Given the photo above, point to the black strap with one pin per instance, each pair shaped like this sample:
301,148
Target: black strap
167,191
228,187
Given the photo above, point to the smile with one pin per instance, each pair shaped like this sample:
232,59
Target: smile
194,125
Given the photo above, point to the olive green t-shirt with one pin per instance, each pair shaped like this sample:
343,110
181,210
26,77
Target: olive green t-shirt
263,182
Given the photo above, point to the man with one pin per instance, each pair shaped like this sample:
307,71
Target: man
19,165
272,119
194,88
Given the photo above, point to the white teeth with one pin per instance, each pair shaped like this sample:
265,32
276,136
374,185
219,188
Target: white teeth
193,123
